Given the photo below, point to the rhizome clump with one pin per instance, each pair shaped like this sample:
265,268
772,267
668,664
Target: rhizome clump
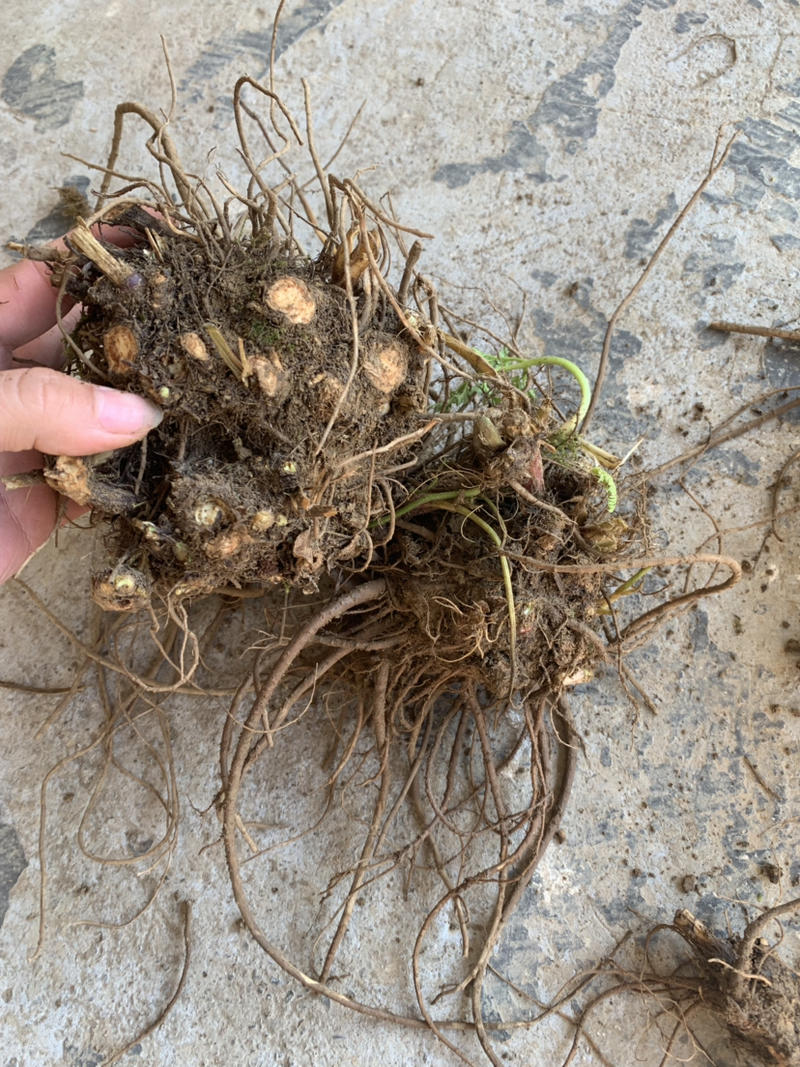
259,471
330,431
317,427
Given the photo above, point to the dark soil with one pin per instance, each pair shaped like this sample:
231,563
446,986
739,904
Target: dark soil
237,485
301,443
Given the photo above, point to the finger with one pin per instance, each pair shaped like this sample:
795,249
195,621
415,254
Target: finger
43,409
49,348
25,525
27,516
28,299
27,302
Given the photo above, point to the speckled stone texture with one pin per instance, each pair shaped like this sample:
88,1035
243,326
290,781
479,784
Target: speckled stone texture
548,146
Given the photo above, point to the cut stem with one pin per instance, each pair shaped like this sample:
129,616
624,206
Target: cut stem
83,240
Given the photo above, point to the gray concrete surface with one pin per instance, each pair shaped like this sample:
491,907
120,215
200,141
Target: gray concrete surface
547,146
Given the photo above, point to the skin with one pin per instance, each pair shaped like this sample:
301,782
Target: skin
44,410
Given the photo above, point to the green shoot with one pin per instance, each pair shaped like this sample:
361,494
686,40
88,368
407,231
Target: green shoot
427,498
508,365
630,586
516,371
604,478
505,569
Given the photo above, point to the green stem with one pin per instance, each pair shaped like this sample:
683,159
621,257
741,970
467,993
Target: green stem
565,364
632,585
504,567
428,498
605,479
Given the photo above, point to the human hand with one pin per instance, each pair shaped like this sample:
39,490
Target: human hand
43,410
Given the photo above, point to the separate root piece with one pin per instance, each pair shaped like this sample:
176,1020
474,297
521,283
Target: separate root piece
773,332
739,984
173,1000
718,158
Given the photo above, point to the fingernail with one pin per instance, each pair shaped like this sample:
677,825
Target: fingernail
125,413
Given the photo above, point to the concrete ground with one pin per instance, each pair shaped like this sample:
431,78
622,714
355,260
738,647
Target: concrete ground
548,146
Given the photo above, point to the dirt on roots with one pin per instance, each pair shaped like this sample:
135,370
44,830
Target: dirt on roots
450,549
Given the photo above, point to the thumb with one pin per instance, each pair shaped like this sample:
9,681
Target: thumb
51,412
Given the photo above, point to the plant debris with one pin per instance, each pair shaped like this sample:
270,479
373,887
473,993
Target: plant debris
749,986
738,983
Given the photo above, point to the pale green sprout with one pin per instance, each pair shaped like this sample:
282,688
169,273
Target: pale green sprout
516,369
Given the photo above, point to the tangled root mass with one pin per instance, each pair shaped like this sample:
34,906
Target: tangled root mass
324,433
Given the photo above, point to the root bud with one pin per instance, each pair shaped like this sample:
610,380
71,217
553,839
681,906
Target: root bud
194,346
121,589
121,349
292,298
